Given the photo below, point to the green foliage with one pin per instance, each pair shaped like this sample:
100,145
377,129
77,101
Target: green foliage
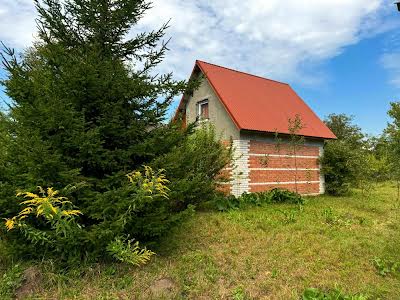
193,166
140,207
345,161
47,224
226,203
393,146
289,216
239,293
296,140
386,267
129,252
317,294
344,129
86,108
10,281
285,196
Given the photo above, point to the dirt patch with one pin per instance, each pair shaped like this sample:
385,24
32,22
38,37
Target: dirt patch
162,287
32,278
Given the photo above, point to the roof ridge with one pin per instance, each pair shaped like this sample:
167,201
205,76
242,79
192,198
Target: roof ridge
246,73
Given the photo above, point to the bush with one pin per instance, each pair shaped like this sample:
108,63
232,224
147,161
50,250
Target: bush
225,203
341,164
48,224
280,196
193,167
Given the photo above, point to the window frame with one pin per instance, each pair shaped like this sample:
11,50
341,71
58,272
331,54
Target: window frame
199,105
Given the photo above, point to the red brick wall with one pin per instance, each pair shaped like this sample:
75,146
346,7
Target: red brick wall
273,166
302,188
283,175
258,147
282,162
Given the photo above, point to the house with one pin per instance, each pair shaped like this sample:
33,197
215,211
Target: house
251,112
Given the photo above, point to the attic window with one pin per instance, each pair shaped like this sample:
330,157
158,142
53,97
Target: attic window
202,110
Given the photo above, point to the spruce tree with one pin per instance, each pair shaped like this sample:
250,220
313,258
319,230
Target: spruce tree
84,96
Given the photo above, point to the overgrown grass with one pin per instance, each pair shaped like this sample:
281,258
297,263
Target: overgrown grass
276,251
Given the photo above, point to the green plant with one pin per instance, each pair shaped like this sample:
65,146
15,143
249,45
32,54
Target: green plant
194,166
296,140
80,114
238,293
345,161
285,196
10,281
332,218
386,267
289,216
317,294
56,211
225,203
129,252
329,216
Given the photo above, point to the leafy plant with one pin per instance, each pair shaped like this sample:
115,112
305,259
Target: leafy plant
386,267
285,196
129,252
225,203
10,281
289,216
238,294
296,140
54,210
194,166
317,294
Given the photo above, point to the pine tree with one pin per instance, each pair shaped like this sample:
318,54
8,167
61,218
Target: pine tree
84,96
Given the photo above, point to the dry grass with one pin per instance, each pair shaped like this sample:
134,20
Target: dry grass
259,253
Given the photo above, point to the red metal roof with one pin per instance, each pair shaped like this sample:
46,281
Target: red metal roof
260,104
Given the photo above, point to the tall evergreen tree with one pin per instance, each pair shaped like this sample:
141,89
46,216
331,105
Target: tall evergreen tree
84,96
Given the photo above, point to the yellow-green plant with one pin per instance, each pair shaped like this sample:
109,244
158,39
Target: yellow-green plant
129,252
150,183
47,206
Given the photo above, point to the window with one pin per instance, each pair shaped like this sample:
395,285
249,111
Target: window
202,110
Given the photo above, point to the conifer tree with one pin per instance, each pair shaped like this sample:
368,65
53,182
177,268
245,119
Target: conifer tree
84,97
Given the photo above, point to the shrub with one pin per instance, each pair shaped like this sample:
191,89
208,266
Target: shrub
47,221
341,165
280,196
194,167
48,224
141,207
224,203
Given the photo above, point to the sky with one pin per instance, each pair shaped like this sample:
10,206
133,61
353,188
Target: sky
341,56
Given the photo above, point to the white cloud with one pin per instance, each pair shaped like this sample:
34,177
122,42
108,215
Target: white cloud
272,38
391,62
17,22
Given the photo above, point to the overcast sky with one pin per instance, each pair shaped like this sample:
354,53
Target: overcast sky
339,55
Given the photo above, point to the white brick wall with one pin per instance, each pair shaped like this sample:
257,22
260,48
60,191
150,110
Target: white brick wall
240,171
321,176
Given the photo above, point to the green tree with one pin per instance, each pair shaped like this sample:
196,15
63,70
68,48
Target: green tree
84,96
393,135
295,126
345,130
87,108
344,161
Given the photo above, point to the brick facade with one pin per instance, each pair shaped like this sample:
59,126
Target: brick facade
264,165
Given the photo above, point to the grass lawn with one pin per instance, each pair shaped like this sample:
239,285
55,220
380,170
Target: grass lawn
270,252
